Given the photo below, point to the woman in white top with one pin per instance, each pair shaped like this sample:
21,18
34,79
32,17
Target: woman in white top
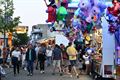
49,55
23,58
16,56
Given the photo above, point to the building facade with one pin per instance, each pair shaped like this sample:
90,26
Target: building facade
39,31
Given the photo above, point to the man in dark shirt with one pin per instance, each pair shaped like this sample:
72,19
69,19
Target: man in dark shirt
30,58
57,57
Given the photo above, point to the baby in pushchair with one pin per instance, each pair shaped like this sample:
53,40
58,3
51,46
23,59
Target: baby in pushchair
2,72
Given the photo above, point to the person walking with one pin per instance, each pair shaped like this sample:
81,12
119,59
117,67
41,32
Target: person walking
72,53
57,57
16,55
41,60
87,62
65,62
49,55
23,58
30,58
37,50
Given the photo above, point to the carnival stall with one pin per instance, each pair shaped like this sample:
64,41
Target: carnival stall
93,23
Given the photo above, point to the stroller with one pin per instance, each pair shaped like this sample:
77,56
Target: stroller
2,72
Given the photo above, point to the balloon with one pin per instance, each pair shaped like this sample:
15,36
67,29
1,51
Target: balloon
94,28
118,48
75,22
66,3
77,12
89,19
95,10
61,14
102,7
51,11
112,29
84,4
52,29
89,27
115,9
87,38
51,14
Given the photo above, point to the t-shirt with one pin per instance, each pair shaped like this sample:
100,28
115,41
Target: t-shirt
57,54
48,53
86,59
37,50
72,52
16,54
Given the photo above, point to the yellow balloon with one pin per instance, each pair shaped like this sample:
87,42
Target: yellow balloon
88,38
75,17
56,1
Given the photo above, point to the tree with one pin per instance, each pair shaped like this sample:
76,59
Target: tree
20,39
7,22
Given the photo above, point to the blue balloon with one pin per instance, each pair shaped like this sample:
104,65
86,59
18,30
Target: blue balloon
77,12
102,7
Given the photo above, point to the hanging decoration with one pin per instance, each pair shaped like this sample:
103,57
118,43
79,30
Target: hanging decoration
61,13
90,13
51,11
113,14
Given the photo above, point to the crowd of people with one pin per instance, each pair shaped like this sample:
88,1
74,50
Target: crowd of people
66,59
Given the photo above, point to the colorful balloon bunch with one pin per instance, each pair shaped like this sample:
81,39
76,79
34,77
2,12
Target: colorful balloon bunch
113,14
56,10
90,13
51,11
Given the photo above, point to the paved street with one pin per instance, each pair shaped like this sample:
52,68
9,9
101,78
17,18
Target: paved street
38,76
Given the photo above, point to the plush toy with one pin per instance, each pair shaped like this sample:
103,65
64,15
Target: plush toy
84,6
51,11
75,22
61,13
65,2
115,10
118,50
112,29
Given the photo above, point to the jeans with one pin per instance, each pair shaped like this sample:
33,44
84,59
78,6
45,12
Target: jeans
16,65
42,65
30,66
49,61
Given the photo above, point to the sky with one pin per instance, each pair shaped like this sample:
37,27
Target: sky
31,12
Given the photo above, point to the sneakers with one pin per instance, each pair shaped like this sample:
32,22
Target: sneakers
77,75
42,72
25,68
31,74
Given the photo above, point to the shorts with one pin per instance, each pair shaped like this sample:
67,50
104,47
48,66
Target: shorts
56,63
72,62
65,62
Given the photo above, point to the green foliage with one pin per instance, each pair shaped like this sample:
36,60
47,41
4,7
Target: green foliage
7,22
20,39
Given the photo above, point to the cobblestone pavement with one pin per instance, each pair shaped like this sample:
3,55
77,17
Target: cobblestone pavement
38,76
